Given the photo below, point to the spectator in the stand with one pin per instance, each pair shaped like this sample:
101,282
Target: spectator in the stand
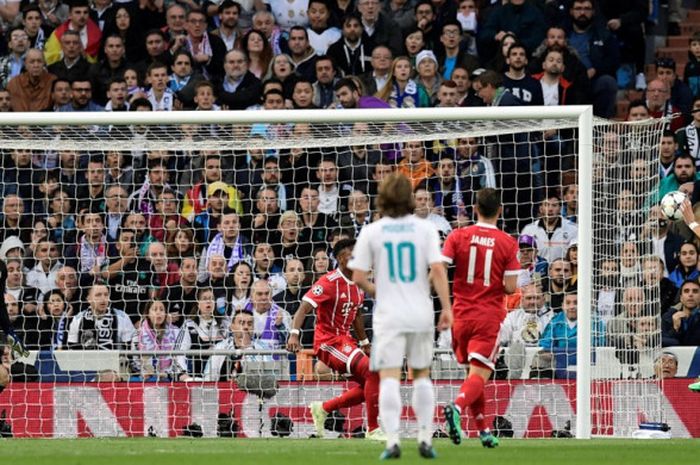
91,195
92,246
128,24
621,329
207,50
32,20
54,325
447,95
302,53
666,366
242,280
229,30
378,28
181,297
684,172
100,327
400,91
687,268
599,52
11,64
294,276
519,17
156,45
258,51
453,52
264,21
31,90
239,88
316,225
427,75
691,73
332,194
144,199
358,214
562,330
81,97
414,164
318,264
127,275
559,280
271,322
222,367
80,22
533,266
184,78
556,90
626,19
666,243
116,95
163,273
687,138
229,242
653,280
526,324
176,24
324,93
156,332
554,234
425,209
17,177
680,324
320,30
350,53
72,64
520,84
681,96
426,23
379,76
204,329
264,218
160,96
43,275
60,94
196,199
206,223
265,267
660,104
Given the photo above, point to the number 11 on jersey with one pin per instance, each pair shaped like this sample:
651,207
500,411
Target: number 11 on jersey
471,268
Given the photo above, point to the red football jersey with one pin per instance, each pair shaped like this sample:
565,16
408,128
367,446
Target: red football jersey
336,300
483,255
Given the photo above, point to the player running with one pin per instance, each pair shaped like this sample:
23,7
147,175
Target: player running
337,300
486,268
399,249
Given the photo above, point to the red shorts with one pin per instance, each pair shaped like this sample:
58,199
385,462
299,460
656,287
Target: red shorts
476,339
337,352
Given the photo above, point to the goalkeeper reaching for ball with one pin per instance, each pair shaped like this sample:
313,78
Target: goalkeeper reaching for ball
5,325
337,300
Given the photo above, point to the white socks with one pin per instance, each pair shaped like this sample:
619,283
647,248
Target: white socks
424,408
390,409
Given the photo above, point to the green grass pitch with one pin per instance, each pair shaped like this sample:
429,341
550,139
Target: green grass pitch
342,452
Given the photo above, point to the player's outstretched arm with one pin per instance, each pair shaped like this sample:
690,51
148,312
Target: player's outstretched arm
439,278
361,278
293,344
689,217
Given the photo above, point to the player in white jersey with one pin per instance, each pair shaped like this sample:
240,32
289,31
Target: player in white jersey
400,249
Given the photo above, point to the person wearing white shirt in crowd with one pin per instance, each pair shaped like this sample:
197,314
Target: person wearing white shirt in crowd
425,209
320,35
271,323
553,233
43,275
159,95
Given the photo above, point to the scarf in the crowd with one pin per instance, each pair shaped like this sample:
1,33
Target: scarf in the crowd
58,340
409,98
91,255
148,340
100,334
269,338
144,199
175,83
691,138
217,247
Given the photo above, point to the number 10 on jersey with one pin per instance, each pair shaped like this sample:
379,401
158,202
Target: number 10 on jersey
401,257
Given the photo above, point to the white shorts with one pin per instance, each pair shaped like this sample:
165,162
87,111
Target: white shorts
390,348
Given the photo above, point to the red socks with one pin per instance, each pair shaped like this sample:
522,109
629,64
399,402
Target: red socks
349,398
469,393
372,400
477,411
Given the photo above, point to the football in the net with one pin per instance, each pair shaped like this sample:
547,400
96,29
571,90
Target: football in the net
671,205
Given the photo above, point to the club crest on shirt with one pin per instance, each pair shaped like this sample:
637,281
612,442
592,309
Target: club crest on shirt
347,348
317,290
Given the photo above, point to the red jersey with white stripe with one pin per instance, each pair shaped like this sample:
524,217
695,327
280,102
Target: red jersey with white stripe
483,255
336,300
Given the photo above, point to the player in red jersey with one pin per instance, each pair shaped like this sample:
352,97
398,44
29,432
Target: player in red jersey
486,268
337,300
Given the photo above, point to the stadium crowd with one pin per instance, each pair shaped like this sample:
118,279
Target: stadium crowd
159,250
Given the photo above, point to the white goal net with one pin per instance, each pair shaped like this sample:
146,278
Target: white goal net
136,243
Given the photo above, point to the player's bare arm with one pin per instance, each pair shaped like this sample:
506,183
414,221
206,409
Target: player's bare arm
361,278
510,284
358,325
304,309
438,274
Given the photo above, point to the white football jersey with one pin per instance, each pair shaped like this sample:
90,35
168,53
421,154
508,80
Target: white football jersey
399,251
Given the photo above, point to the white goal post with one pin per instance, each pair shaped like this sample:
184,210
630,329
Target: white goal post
52,131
